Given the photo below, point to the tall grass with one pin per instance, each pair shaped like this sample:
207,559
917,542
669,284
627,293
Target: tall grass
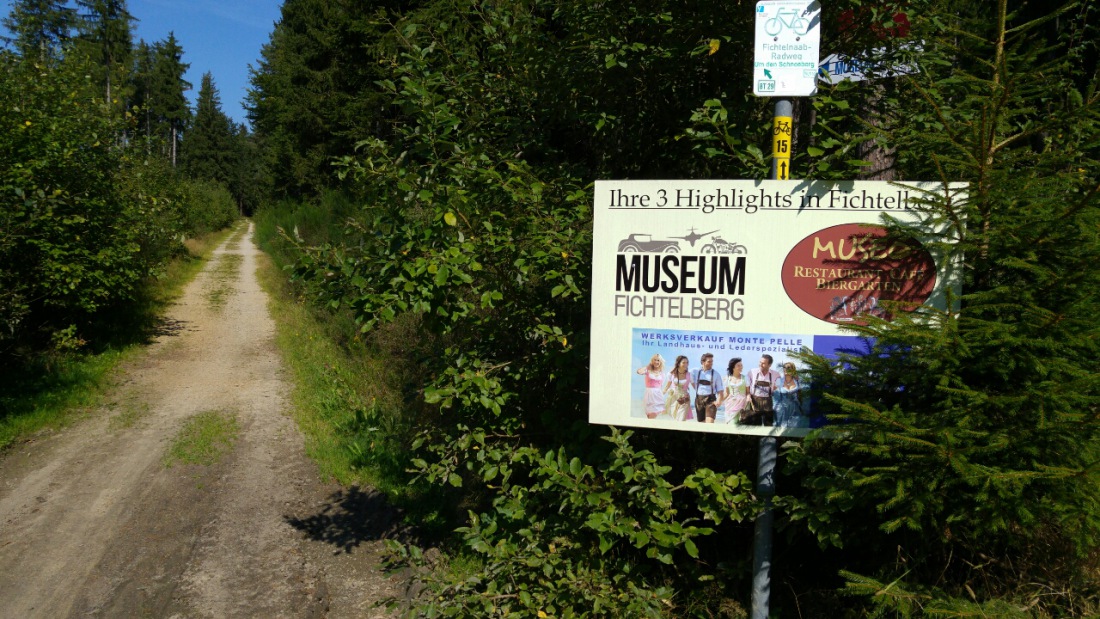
312,223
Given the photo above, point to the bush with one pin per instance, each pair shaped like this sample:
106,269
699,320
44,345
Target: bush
77,237
205,206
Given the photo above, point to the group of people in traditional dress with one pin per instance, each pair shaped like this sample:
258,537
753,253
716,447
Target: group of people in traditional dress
762,397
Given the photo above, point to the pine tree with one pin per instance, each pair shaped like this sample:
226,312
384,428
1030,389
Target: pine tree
40,27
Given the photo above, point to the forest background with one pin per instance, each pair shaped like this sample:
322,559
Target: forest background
424,171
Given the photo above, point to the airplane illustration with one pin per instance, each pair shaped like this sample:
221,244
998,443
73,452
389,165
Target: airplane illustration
693,236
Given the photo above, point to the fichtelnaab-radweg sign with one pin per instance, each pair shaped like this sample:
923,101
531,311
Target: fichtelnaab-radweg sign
788,39
697,284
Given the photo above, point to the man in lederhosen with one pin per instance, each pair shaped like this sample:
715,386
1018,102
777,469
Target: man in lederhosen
763,381
708,384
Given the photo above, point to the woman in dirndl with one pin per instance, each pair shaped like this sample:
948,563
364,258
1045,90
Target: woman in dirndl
677,404
735,395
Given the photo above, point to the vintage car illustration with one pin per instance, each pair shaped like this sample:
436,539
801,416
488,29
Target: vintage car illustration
646,243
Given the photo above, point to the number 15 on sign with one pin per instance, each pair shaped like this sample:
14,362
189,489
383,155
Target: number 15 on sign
781,146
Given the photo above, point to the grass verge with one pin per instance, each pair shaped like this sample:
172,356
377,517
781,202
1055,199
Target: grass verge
329,381
348,401
53,390
204,439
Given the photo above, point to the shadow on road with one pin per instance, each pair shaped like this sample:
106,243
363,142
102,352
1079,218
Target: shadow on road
352,516
166,327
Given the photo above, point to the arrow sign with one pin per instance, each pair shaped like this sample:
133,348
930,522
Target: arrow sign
767,74
781,146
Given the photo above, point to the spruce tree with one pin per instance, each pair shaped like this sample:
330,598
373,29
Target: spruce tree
167,102
315,89
40,27
962,471
105,36
208,150
141,83
249,181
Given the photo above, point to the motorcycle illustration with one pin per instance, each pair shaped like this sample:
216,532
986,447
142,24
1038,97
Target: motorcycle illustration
718,245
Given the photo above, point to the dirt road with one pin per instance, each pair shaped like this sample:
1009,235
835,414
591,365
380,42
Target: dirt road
94,522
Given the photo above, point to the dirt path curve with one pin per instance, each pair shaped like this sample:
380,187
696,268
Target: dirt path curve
94,523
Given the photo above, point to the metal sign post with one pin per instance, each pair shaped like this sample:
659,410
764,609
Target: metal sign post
783,130
762,539
785,64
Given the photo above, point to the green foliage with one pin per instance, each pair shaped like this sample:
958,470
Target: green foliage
158,106
75,238
40,27
962,468
314,93
568,539
971,443
217,150
206,206
103,35
88,215
896,600
207,151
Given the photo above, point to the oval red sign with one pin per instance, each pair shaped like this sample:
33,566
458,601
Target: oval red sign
846,272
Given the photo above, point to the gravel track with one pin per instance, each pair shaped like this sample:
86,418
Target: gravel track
93,522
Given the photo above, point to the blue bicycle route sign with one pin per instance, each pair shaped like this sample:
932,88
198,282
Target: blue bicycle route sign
788,39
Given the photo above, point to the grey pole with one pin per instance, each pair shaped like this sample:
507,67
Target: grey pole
765,471
762,540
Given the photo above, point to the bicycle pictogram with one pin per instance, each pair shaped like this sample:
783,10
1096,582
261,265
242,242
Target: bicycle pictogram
789,18
782,127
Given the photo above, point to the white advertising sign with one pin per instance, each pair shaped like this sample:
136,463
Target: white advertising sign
740,270
788,39
837,68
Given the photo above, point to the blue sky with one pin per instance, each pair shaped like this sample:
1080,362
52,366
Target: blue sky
220,36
